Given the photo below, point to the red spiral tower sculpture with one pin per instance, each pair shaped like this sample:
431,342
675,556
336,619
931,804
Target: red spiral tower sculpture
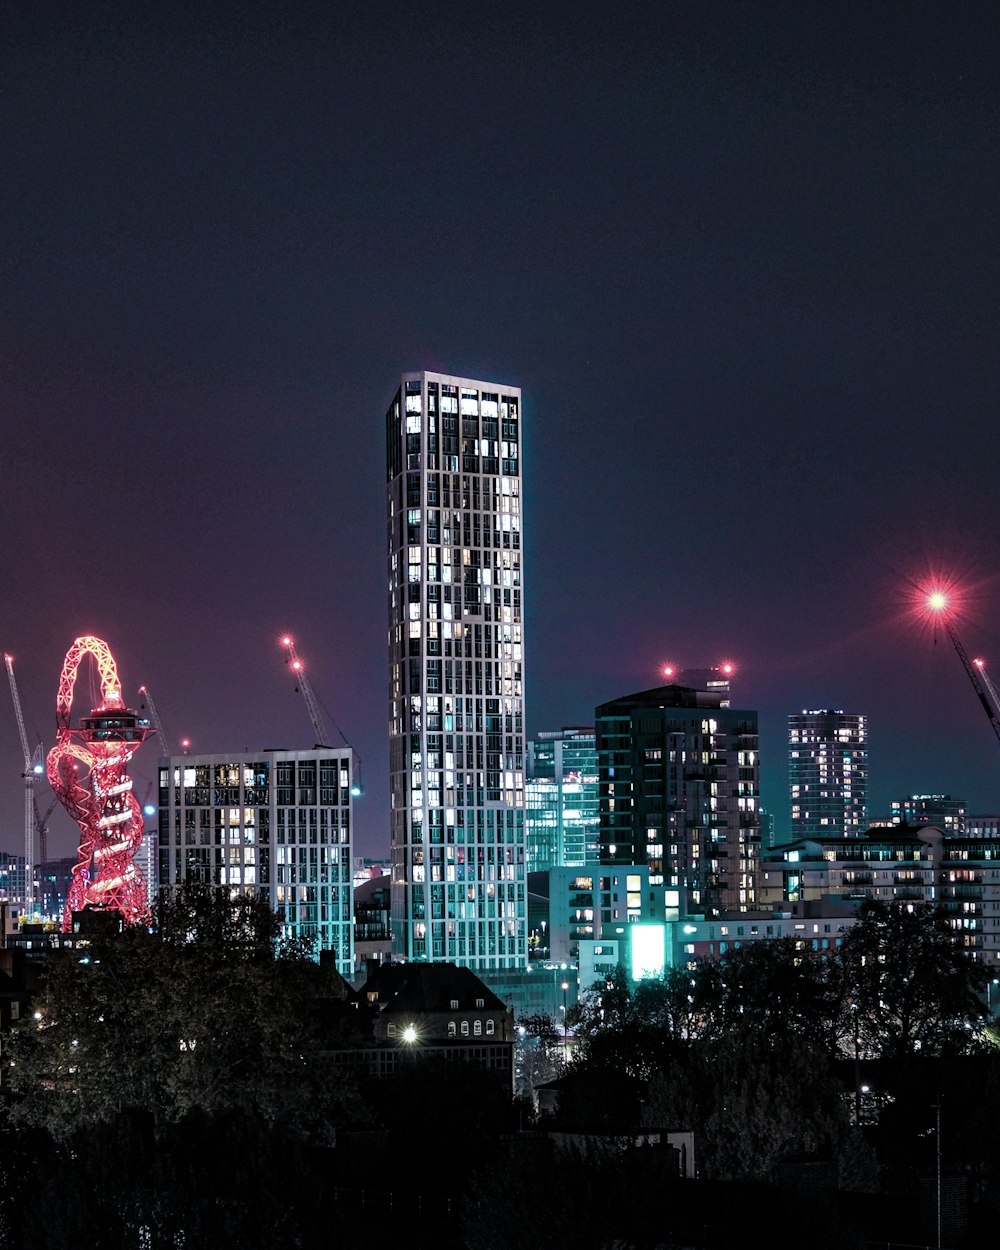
87,771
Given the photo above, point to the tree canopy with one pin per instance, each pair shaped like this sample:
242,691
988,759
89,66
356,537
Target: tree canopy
906,984
202,1014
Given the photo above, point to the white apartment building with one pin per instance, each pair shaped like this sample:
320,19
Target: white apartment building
276,822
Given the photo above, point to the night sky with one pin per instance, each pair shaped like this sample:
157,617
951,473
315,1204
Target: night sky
741,258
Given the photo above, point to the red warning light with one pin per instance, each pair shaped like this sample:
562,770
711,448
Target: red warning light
979,663
727,668
297,665
286,640
669,670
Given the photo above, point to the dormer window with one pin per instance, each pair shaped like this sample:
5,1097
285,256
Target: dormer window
480,1002
390,1030
454,1004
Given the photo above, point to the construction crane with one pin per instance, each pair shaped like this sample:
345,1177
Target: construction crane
42,827
316,716
154,716
33,768
937,601
303,684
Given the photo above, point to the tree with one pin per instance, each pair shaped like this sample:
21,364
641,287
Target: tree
539,1053
623,1032
199,1016
751,1105
770,990
907,986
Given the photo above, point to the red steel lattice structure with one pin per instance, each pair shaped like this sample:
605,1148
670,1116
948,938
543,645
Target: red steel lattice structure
87,770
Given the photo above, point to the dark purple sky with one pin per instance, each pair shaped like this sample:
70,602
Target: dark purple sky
741,258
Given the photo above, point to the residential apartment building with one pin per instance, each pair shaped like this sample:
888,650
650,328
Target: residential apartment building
561,794
827,773
818,927
930,809
678,787
12,878
456,747
274,822
959,874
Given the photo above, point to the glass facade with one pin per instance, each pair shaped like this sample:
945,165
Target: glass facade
827,774
678,790
561,794
274,822
456,746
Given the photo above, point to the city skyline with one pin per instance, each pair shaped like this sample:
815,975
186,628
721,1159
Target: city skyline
739,264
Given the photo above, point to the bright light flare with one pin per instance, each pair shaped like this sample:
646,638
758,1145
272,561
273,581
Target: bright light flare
669,670
939,597
727,668
410,1033
297,665
979,662
286,640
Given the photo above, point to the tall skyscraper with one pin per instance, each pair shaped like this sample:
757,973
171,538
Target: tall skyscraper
456,746
828,773
678,783
561,792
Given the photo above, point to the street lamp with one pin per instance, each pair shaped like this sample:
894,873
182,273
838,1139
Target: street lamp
565,989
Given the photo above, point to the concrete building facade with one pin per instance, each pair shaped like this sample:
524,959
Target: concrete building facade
959,874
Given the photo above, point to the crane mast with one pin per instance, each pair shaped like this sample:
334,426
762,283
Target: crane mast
312,704
31,764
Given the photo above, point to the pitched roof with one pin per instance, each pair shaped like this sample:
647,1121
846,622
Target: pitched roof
420,987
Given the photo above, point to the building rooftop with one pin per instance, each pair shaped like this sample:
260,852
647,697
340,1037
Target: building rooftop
426,987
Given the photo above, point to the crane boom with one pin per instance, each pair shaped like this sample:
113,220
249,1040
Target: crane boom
29,790
980,682
42,825
154,716
312,704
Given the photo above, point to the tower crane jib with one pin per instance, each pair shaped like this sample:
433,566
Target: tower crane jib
312,704
974,669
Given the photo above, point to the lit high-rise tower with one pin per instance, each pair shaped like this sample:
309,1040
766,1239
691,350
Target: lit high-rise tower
828,773
456,746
